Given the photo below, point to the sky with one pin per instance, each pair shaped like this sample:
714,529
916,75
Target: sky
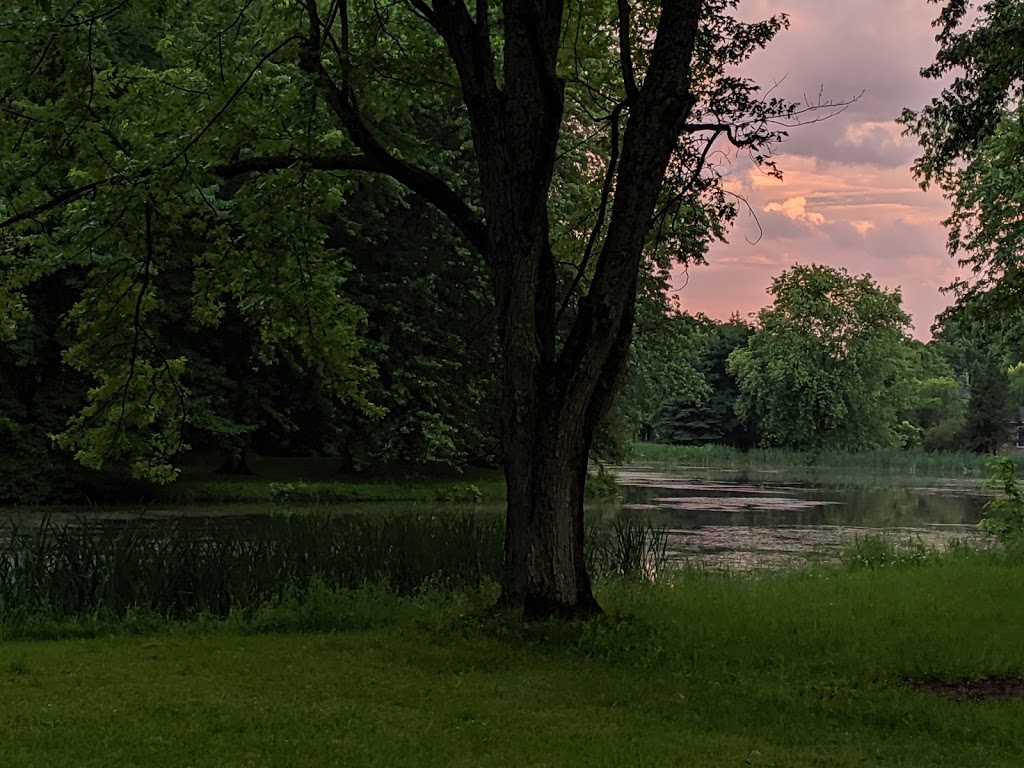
848,198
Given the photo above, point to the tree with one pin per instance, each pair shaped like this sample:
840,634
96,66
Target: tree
821,369
711,419
987,421
932,410
972,144
246,124
662,367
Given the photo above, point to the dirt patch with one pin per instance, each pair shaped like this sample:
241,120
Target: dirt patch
1000,688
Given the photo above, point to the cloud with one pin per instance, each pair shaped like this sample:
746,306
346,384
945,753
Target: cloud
847,198
796,209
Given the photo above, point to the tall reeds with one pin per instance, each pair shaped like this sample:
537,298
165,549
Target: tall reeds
879,461
189,567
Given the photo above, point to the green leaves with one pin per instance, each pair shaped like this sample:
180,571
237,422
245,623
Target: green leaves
112,121
1004,515
134,415
821,370
972,139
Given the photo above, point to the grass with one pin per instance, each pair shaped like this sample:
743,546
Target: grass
785,669
479,487
882,461
185,568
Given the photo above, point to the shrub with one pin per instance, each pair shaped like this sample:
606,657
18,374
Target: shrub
1004,515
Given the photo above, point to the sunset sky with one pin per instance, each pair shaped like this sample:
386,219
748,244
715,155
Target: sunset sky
848,198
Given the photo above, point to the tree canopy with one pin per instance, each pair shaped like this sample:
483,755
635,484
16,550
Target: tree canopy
821,368
972,142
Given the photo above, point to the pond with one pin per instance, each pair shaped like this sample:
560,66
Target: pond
743,521
721,519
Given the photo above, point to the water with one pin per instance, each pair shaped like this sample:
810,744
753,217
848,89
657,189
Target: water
715,519
761,520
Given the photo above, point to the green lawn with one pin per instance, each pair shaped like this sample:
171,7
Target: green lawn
713,670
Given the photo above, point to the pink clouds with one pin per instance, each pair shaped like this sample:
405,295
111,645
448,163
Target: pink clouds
848,198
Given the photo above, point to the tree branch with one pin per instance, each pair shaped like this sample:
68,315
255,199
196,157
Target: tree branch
378,159
469,45
625,52
56,201
602,210
722,128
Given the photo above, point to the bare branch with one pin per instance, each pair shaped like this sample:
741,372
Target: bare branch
602,210
723,128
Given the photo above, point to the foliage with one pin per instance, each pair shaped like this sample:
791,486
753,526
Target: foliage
630,546
1004,515
216,567
945,437
129,109
932,409
430,335
983,345
882,552
37,396
185,568
713,418
821,370
484,486
898,462
1015,386
664,366
602,485
972,144
986,425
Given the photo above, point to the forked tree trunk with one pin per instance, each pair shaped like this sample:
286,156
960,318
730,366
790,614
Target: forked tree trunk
547,437
558,385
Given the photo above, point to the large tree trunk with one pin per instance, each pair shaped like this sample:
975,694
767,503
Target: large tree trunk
555,395
547,447
545,571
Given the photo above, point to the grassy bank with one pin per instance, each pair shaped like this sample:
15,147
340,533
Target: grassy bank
797,669
881,461
477,487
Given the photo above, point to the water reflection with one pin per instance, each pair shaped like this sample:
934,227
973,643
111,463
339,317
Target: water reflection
743,522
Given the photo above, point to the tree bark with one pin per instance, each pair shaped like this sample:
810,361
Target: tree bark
547,447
